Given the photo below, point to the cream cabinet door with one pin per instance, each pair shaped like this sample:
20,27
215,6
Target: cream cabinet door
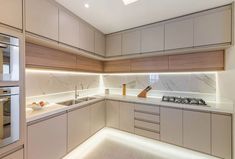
127,117
213,27
11,13
86,37
113,45
97,116
172,125
78,127
152,38
222,136
16,155
179,34
68,29
197,131
99,43
131,42
48,139
42,18
112,114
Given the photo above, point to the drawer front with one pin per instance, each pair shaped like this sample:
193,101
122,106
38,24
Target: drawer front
145,133
147,108
146,125
147,117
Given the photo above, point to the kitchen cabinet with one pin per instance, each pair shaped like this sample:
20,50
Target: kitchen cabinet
16,155
88,64
86,37
112,114
48,139
221,135
117,66
97,116
197,131
78,127
114,45
213,27
127,117
42,18
172,125
131,42
179,34
11,13
99,43
152,38
68,29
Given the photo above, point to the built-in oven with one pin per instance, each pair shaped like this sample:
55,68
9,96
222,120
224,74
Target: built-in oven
9,115
9,58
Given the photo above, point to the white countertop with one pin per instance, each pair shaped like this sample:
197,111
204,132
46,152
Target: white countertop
51,109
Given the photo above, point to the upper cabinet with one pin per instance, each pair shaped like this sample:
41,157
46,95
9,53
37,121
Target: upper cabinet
152,38
42,18
213,27
69,29
179,34
99,43
131,42
11,13
113,45
86,37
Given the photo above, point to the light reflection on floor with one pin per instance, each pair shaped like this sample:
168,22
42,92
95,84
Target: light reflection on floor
113,144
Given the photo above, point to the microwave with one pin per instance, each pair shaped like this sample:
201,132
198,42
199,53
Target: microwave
9,58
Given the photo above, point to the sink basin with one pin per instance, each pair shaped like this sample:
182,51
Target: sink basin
72,101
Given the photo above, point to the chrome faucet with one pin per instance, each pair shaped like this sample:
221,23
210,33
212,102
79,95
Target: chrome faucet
76,92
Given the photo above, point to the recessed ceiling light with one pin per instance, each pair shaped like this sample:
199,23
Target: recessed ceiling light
126,2
86,5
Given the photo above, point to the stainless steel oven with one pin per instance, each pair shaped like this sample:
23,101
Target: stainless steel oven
9,58
9,115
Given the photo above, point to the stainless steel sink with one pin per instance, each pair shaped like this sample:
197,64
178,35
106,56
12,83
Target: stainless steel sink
73,102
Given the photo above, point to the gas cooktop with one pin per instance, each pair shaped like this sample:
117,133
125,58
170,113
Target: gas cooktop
184,100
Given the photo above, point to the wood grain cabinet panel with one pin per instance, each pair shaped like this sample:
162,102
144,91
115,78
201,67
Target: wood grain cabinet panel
79,124
208,61
117,66
69,29
16,155
48,139
127,117
39,56
11,13
172,125
131,42
42,18
87,64
221,136
99,43
86,37
152,38
197,131
179,34
112,114
213,27
113,45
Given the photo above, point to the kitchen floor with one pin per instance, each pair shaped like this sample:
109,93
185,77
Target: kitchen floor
113,144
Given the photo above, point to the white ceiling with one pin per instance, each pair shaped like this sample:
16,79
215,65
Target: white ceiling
112,15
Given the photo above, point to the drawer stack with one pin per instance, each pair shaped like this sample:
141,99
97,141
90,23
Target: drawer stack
147,121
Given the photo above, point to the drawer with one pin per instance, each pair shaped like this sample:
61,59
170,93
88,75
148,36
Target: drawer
147,108
146,125
147,117
145,133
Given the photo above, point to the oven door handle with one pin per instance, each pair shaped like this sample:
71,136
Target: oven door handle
3,45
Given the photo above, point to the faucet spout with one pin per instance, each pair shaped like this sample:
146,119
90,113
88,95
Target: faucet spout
76,93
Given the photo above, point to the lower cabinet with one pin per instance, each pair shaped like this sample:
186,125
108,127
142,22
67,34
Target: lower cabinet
126,117
112,114
48,139
97,116
172,125
16,155
78,127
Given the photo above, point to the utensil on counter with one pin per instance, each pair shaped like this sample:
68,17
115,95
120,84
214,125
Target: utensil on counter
143,94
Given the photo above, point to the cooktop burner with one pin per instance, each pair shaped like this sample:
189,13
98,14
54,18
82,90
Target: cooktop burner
184,100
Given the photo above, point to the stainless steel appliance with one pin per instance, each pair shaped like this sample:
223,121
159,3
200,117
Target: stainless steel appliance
184,100
9,58
9,115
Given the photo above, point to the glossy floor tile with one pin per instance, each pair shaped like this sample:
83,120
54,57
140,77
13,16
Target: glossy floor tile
114,144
